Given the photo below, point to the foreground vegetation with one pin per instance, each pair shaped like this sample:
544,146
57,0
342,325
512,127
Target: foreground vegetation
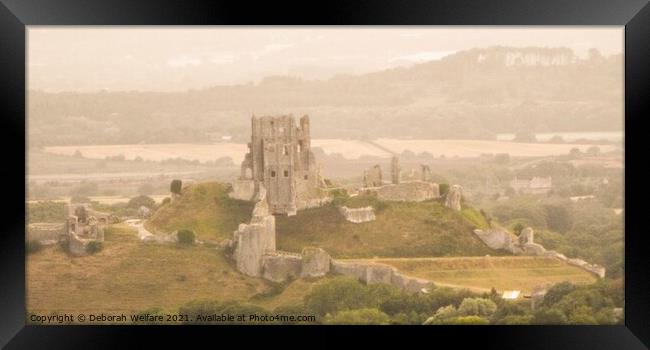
343,300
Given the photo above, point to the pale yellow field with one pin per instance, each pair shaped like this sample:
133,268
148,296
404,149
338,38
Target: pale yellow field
158,152
481,273
474,148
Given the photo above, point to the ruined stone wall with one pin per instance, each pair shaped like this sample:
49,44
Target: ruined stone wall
453,197
420,173
372,177
369,272
281,266
253,240
415,191
499,238
358,215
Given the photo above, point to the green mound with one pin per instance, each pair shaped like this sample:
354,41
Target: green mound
204,208
400,230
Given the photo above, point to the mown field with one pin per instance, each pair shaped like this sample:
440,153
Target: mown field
522,273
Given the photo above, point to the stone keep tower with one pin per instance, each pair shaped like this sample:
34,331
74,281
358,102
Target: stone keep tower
280,158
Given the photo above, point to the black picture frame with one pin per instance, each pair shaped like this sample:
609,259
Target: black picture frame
15,15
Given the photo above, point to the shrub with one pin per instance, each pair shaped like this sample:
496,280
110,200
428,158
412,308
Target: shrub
186,237
339,197
444,189
166,201
176,186
141,201
94,247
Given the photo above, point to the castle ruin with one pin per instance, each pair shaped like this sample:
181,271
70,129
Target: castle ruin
280,158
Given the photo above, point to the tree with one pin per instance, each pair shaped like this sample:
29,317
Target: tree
549,316
477,307
558,217
574,152
186,237
517,228
557,292
469,321
593,151
359,316
176,186
443,189
339,293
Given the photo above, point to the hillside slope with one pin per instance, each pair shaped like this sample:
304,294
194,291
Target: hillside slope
401,229
204,208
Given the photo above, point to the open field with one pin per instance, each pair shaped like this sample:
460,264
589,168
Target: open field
350,149
130,276
481,273
158,152
474,148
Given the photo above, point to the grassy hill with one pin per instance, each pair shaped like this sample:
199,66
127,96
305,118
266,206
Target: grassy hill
204,208
401,229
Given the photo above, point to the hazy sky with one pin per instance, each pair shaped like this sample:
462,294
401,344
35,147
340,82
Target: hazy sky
180,58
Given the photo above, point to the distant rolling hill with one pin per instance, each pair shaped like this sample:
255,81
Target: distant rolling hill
470,94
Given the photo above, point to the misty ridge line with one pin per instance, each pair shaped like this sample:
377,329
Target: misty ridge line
474,94
404,62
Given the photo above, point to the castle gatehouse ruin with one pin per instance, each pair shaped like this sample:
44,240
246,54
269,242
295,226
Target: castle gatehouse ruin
281,159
